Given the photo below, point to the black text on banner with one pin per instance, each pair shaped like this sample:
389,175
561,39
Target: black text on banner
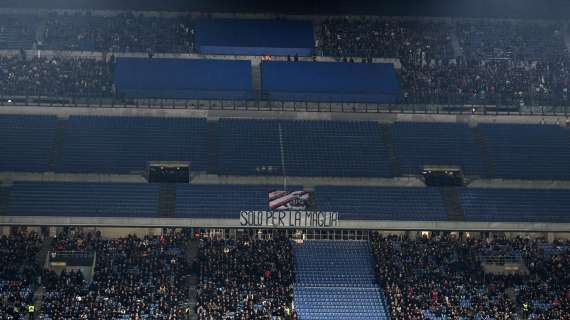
288,218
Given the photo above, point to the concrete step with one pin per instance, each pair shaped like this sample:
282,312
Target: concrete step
167,200
57,147
38,302
452,202
212,147
488,164
389,144
41,256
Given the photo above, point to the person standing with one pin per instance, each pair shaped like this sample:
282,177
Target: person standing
31,311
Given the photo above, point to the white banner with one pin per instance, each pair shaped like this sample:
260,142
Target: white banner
289,218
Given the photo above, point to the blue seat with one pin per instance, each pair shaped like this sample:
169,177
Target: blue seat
336,280
26,142
515,205
84,199
126,144
420,144
382,203
521,151
221,201
310,148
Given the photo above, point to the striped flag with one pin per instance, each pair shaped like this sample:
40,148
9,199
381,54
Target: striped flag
285,200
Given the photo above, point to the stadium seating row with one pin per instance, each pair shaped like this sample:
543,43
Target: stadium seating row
267,147
226,201
336,280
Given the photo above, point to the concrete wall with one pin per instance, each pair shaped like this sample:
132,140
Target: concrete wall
472,119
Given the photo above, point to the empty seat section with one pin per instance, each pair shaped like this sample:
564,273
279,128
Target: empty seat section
248,147
221,201
420,144
255,37
330,81
516,205
336,280
125,144
83,199
183,78
26,142
310,148
379,203
528,151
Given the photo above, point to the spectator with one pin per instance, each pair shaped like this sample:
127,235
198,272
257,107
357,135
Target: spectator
55,77
246,280
134,278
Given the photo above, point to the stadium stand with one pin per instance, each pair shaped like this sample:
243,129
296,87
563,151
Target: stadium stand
254,37
183,78
55,77
484,62
440,278
447,65
528,151
18,272
518,205
124,32
336,280
421,144
226,201
135,278
17,31
310,148
329,81
502,83
83,199
508,40
406,39
546,293
246,279
123,145
378,203
248,147
26,142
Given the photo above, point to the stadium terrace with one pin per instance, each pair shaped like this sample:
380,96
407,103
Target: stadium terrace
202,165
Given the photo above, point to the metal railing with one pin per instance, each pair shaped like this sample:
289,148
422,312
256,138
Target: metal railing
268,105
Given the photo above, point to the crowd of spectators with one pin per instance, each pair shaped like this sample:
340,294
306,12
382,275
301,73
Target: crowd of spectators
511,40
18,273
546,292
125,32
491,62
412,40
55,77
442,278
134,278
506,63
497,82
246,280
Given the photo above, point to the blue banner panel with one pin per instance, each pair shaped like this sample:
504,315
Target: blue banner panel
255,37
183,78
330,81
